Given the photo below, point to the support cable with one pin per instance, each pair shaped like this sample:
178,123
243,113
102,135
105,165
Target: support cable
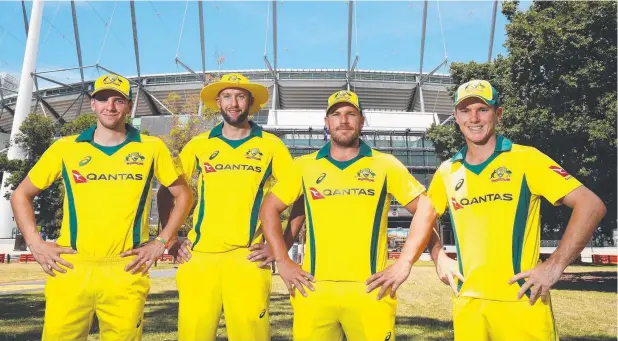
53,20
108,25
182,28
442,30
51,24
267,18
160,19
356,27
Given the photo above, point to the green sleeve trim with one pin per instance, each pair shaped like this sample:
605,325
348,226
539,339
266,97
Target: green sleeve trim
137,222
71,205
200,215
377,222
519,229
257,203
459,256
311,232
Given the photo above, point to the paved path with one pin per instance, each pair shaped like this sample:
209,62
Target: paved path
39,285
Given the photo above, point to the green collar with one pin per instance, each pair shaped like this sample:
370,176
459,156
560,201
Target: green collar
217,131
502,145
87,135
364,150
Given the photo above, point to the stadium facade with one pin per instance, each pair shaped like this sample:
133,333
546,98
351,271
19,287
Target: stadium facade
399,108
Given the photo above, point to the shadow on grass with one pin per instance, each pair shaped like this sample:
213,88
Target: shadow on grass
601,281
422,328
21,316
161,316
161,312
586,338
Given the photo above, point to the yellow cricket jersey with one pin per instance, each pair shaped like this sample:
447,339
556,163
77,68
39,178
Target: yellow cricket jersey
107,190
494,209
346,204
232,175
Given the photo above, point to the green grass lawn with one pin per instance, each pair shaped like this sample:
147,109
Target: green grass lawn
21,272
584,304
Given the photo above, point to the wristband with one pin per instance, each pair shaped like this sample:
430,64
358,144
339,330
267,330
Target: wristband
162,240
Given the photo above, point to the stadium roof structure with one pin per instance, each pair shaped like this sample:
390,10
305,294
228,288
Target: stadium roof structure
296,89
394,103
385,93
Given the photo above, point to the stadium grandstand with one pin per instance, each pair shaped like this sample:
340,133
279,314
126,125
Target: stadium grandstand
399,105
398,111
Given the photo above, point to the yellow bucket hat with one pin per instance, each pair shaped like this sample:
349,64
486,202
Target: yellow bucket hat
343,96
113,82
234,80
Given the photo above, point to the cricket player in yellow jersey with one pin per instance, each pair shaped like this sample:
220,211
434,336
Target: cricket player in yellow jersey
107,174
234,160
347,189
493,189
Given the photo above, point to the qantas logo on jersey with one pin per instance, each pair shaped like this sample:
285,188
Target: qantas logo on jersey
80,179
208,168
315,194
458,205
560,171
329,192
221,167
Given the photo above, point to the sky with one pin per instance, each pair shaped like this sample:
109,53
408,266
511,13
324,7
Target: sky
310,34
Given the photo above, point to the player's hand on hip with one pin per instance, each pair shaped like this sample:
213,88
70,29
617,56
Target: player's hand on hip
540,280
294,277
181,250
447,269
261,252
145,256
47,254
391,277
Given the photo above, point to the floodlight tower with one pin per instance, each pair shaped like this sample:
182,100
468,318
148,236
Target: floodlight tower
22,110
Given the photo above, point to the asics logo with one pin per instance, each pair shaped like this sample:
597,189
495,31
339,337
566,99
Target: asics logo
459,184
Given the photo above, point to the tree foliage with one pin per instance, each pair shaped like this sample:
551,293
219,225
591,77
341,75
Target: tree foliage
187,122
558,87
79,124
35,135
